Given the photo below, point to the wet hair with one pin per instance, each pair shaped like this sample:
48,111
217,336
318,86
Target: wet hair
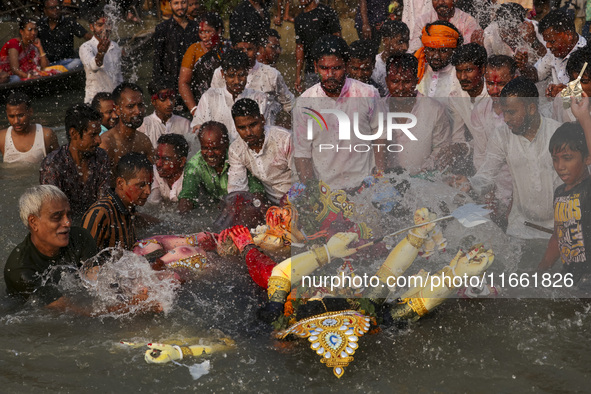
130,164
245,107
330,45
213,125
122,87
31,201
510,14
361,49
571,135
561,21
392,28
95,14
470,53
249,36
460,40
235,59
266,34
18,98
273,33
404,61
59,1
100,96
214,20
78,116
520,87
178,143
499,61
24,21
156,86
577,60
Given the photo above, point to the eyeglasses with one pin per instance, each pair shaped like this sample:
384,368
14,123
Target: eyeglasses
162,96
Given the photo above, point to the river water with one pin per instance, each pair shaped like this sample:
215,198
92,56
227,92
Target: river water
506,344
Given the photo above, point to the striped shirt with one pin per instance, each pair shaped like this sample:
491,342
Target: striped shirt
110,223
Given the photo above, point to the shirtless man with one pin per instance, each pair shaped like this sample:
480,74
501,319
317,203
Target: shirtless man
124,137
23,141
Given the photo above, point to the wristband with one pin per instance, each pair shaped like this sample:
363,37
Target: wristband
193,110
322,255
178,348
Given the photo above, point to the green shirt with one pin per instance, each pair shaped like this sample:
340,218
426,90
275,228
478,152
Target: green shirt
200,178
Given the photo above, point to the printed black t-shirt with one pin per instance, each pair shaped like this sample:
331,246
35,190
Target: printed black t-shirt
572,218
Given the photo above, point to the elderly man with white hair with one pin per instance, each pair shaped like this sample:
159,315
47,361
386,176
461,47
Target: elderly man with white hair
53,246
51,242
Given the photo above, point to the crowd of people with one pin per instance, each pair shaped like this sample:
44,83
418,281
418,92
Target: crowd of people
473,91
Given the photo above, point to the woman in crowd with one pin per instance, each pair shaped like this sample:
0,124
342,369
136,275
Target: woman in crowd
201,60
24,57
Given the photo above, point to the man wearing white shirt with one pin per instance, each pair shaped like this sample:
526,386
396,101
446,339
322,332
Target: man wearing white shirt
216,103
412,10
170,159
101,58
265,151
340,163
261,77
511,33
470,63
162,120
523,146
432,129
487,116
443,10
558,30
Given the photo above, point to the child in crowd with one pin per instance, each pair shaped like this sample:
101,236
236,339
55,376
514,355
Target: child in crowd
163,121
111,220
569,147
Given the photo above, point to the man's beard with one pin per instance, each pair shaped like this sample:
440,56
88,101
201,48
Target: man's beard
134,123
524,127
338,85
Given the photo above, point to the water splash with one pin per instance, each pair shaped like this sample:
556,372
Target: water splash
441,199
121,277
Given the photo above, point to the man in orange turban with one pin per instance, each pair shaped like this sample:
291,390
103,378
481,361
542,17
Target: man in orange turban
436,74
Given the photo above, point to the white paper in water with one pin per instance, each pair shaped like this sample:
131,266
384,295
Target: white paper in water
471,215
198,370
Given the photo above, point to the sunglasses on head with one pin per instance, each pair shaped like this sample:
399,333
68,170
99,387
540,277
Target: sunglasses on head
168,94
